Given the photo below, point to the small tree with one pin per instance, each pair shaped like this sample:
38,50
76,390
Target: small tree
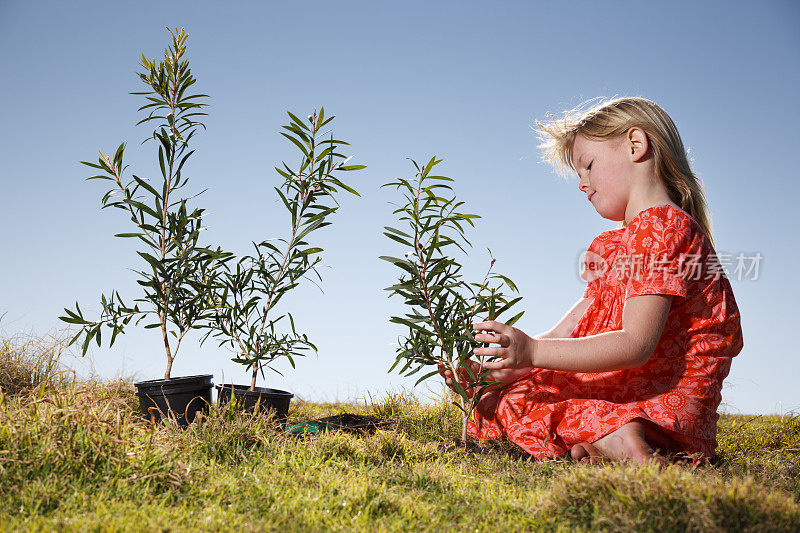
443,306
179,271
247,295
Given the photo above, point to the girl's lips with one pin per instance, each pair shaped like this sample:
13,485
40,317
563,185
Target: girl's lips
590,197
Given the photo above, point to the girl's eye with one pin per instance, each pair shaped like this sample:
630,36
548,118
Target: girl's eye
589,167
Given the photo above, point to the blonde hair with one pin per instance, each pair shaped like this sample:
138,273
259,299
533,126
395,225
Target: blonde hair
611,120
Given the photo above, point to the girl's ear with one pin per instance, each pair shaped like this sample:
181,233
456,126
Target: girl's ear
637,144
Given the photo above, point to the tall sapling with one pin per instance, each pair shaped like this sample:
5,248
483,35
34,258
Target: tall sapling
177,272
443,306
244,318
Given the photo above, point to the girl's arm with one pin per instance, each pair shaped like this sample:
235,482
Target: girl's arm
643,319
561,330
567,324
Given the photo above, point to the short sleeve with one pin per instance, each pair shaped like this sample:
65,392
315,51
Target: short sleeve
596,261
591,262
657,244
591,290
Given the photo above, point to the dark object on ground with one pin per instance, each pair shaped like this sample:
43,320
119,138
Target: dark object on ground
343,422
179,399
260,397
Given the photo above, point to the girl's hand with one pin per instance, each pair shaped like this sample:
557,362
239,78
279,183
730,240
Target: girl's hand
502,377
515,347
463,379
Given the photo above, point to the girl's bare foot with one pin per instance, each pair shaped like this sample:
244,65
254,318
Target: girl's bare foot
587,453
625,444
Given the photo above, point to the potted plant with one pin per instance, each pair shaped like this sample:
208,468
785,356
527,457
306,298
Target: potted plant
443,306
177,272
245,318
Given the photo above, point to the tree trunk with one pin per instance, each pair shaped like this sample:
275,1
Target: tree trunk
169,368
255,376
464,420
165,335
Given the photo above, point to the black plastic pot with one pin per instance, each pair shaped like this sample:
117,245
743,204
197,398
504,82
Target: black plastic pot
179,399
247,400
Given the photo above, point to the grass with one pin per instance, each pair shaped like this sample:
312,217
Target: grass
28,361
75,456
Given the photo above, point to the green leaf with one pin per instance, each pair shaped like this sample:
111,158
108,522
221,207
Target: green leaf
139,205
460,391
143,183
297,120
347,188
351,167
72,319
397,231
86,341
410,324
514,319
508,282
426,376
151,260
296,143
395,260
399,239
508,306
118,154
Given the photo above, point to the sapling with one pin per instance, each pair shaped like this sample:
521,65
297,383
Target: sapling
178,271
247,294
443,306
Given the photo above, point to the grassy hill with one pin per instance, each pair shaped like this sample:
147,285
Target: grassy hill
75,456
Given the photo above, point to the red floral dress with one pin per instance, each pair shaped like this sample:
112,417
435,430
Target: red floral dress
662,250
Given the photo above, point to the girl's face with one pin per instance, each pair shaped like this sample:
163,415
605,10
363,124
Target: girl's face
604,172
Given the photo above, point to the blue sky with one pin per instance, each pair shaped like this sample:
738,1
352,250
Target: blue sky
460,80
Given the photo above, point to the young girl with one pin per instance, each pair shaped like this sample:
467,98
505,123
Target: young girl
634,370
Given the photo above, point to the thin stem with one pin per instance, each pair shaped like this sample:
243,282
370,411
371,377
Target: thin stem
475,307
167,288
290,245
164,333
421,272
464,421
169,364
433,233
124,315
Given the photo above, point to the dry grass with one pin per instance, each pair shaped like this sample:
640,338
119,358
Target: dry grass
77,456
640,498
29,361
54,442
